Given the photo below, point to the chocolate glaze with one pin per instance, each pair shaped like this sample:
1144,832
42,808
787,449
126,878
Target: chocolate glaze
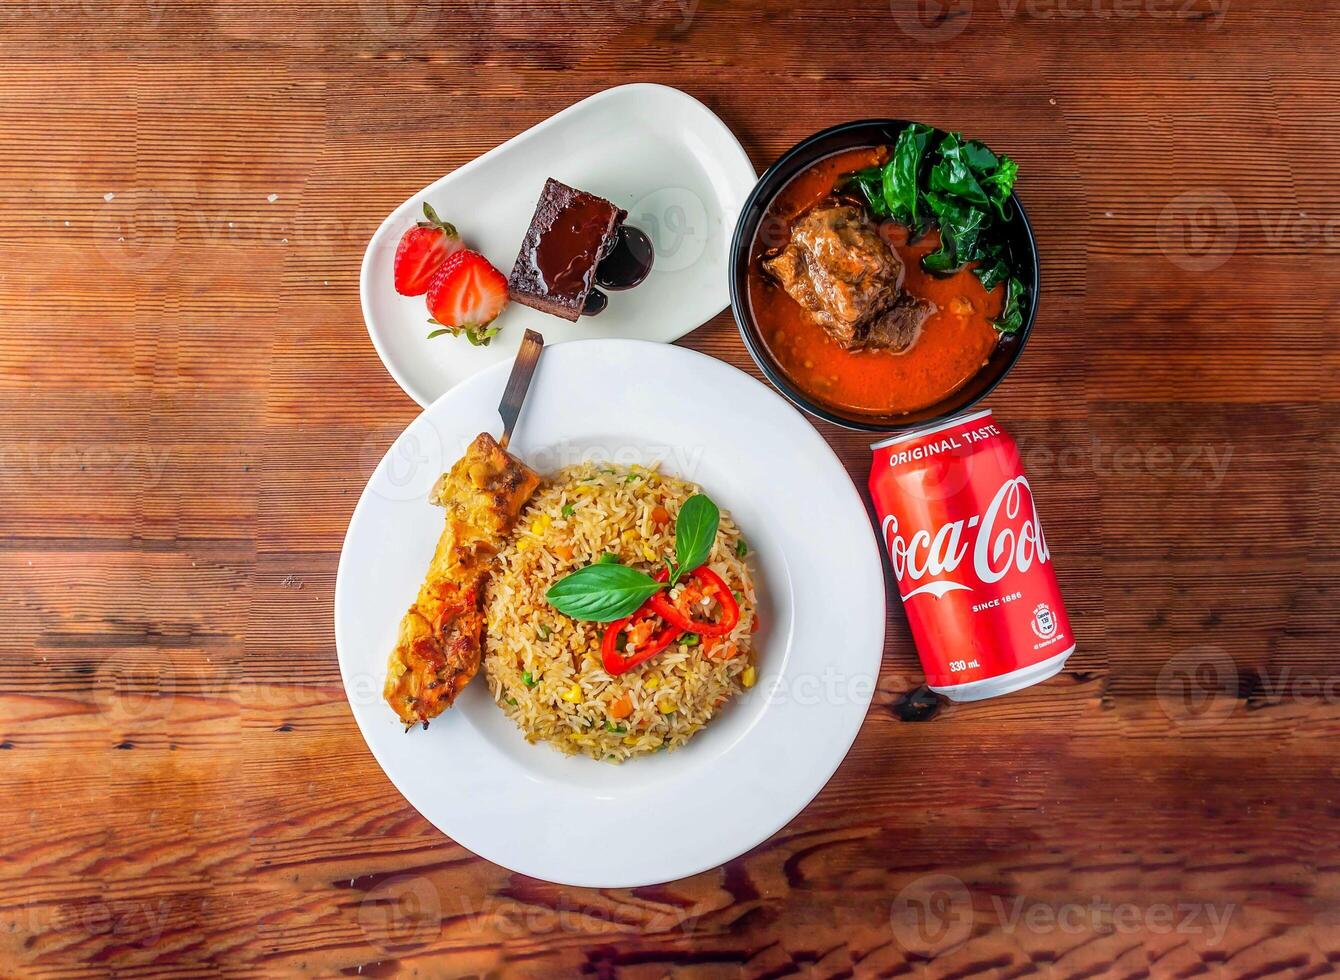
595,304
628,260
569,233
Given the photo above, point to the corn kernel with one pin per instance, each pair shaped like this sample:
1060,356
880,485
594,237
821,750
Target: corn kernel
573,694
666,706
540,524
525,544
648,554
749,676
651,682
630,536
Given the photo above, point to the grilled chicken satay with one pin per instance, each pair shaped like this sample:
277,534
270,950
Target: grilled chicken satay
441,637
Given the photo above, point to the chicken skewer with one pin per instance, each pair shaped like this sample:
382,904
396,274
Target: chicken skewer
440,643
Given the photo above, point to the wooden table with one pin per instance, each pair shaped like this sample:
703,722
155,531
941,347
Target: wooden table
191,407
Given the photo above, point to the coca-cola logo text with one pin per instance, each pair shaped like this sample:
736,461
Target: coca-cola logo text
1007,537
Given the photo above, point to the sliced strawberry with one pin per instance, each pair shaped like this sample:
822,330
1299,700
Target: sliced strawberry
465,296
422,251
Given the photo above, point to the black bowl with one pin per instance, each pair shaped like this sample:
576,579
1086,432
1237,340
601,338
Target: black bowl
802,156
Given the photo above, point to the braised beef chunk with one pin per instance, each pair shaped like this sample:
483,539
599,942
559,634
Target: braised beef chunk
896,327
839,268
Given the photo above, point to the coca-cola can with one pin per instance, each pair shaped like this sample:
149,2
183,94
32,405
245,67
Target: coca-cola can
969,558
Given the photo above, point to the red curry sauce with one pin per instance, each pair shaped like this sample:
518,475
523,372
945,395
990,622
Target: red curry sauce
954,342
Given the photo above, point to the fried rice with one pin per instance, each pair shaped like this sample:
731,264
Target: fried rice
544,669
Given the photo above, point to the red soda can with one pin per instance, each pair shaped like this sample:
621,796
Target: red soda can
969,557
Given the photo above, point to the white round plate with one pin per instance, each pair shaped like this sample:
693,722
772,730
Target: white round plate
575,820
654,151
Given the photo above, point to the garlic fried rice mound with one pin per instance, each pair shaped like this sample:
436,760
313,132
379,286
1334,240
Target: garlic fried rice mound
544,668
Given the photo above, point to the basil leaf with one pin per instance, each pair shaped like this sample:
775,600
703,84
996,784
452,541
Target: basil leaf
695,532
602,593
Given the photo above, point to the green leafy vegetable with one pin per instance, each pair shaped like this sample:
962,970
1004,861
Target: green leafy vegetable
952,176
695,531
608,558
741,548
1012,316
994,274
870,183
568,510
900,183
999,185
528,679
602,592
959,186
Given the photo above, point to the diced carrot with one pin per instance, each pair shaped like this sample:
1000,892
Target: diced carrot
563,551
621,707
659,515
719,649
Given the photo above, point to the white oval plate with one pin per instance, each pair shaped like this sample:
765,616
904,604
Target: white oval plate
656,152
571,819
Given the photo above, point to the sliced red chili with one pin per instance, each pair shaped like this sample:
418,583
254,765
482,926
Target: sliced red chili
714,586
615,661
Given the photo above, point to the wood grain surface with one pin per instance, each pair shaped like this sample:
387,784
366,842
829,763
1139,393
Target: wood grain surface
191,406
